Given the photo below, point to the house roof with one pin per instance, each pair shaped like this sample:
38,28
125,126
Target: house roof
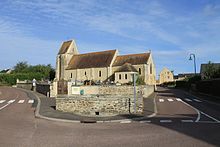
64,47
127,67
91,60
133,59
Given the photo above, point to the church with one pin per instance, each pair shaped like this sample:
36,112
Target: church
103,67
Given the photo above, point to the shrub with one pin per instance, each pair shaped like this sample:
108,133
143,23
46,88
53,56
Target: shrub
169,84
140,81
11,78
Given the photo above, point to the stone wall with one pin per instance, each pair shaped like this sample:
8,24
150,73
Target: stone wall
146,90
100,105
24,84
42,88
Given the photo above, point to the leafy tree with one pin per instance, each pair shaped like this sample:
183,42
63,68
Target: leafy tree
21,67
46,71
211,71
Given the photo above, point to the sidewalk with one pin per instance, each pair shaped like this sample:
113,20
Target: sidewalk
47,109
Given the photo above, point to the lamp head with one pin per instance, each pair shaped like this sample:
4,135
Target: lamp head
190,58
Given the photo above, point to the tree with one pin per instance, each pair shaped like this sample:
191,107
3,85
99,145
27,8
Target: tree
211,71
20,67
46,70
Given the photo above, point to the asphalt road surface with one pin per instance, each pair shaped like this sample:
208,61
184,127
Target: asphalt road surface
182,120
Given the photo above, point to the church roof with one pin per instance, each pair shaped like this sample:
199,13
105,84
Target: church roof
91,60
64,47
127,67
133,59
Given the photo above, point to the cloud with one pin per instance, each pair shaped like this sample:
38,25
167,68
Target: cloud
147,24
211,9
96,15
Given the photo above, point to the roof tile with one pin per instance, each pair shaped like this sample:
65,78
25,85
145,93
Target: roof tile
133,59
91,60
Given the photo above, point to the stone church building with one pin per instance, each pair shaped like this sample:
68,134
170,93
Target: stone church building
104,66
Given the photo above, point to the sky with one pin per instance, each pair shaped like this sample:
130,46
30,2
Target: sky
33,31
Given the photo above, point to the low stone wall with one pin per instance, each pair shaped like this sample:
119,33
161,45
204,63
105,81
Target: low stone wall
100,105
42,88
24,85
146,90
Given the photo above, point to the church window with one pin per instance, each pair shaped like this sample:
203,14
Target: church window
119,76
139,71
100,73
126,76
150,68
71,75
85,73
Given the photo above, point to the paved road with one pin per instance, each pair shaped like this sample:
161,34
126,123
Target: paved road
19,127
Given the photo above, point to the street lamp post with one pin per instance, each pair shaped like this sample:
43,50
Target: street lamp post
194,58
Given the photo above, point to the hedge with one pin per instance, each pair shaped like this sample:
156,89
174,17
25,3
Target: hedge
11,78
211,87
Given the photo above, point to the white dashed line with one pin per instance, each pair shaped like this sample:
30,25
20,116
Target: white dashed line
161,100
21,101
178,99
165,121
170,100
189,100
30,101
197,100
11,101
125,122
145,121
2,101
186,120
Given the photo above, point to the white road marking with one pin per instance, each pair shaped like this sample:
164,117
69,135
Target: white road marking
178,99
212,122
11,101
165,121
186,120
170,100
2,101
145,121
125,121
21,101
30,101
189,100
8,103
199,115
197,100
209,116
161,100
4,106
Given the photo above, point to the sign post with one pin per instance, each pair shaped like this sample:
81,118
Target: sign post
134,83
